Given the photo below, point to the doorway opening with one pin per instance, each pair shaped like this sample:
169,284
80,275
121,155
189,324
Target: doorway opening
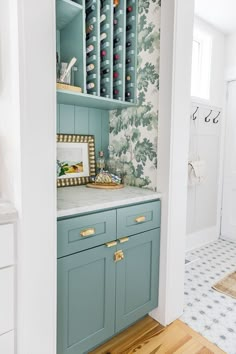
211,205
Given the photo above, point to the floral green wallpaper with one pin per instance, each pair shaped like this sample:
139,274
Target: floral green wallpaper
133,131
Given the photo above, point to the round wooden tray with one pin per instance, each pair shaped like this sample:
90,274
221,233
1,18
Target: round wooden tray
105,185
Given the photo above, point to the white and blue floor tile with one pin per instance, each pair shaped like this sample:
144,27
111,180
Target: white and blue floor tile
210,313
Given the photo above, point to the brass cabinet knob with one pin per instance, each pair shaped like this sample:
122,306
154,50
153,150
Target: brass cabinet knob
118,256
87,232
123,239
111,244
141,218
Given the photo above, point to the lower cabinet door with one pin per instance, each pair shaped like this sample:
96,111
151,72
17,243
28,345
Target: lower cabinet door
7,343
6,299
86,300
137,277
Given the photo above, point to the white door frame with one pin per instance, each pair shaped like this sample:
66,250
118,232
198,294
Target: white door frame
34,27
173,140
231,78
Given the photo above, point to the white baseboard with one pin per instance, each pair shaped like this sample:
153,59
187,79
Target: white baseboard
201,238
227,238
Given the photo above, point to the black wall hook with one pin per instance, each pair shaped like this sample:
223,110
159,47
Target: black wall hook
215,120
207,120
195,117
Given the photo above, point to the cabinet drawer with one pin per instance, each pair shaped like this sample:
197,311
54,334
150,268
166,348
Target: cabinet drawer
138,218
6,245
87,231
6,300
7,343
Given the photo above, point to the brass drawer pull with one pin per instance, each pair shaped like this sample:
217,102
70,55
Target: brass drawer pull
87,232
123,239
111,244
140,219
118,256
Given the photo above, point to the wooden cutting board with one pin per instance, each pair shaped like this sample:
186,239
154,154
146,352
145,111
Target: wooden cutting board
61,86
105,185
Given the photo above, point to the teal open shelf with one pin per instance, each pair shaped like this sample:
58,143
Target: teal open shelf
66,10
85,100
103,39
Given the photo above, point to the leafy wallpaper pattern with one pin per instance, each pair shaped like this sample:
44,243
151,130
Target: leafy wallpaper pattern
133,131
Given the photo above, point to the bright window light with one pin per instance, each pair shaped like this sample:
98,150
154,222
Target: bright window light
201,64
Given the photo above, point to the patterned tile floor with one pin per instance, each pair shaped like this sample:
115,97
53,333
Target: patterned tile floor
207,311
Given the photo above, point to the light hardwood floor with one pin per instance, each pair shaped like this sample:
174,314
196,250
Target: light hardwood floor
149,337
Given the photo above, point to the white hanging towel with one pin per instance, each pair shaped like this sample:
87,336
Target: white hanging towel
196,172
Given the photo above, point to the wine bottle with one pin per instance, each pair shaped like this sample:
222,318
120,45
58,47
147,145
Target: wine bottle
105,71
89,49
103,36
128,44
116,57
90,67
116,40
115,74
102,18
88,35
90,9
128,61
58,66
128,27
129,9
115,92
89,29
100,162
90,85
103,54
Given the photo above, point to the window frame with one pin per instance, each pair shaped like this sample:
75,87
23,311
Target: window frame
202,90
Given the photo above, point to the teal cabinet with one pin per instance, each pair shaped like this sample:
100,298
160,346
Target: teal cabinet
86,300
137,278
111,284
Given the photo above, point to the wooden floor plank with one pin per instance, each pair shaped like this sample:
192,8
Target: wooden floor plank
163,340
205,343
179,345
123,342
190,347
204,350
149,337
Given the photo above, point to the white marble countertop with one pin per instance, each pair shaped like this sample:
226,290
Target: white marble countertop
8,213
76,200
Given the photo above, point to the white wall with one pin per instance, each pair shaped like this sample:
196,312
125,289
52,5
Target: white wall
204,201
230,54
27,160
9,102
